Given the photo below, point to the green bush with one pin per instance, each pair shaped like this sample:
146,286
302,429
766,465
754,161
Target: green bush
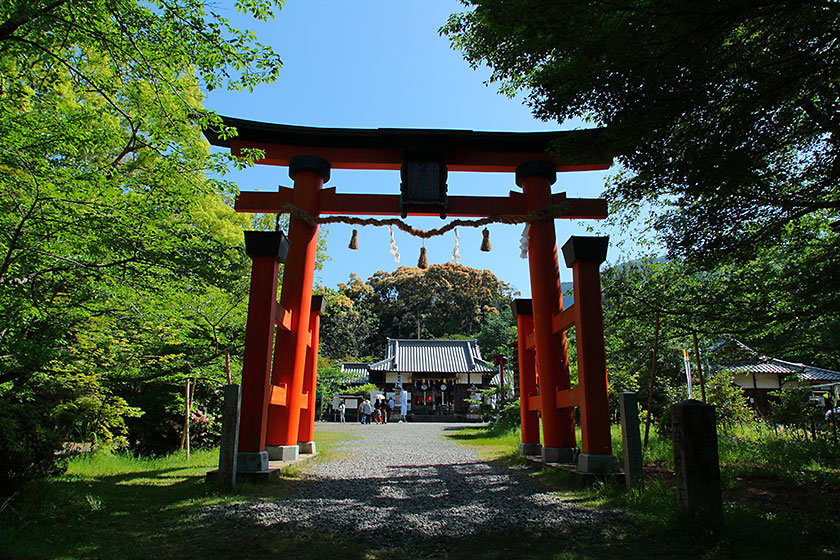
28,442
730,401
158,431
503,415
361,390
793,410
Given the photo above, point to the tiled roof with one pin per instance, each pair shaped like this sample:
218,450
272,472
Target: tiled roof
753,362
811,373
759,367
355,372
433,356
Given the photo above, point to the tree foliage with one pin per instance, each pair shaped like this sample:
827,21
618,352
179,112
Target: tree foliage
723,120
442,300
724,114
445,300
121,269
349,326
752,302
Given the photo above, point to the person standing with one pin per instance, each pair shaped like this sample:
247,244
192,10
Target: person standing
341,409
383,409
377,411
366,411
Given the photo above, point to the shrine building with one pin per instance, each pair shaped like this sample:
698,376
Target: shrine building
439,375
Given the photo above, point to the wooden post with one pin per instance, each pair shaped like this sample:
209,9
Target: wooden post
699,367
628,404
696,462
187,419
650,388
306,430
230,437
584,256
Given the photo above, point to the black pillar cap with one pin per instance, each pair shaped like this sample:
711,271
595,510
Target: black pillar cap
309,163
521,306
584,248
266,244
539,167
319,304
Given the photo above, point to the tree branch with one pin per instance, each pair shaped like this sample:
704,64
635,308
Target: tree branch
15,21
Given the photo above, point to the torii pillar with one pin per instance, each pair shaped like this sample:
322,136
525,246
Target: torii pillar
267,250
584,256
309,174
528,415
552,358
306,431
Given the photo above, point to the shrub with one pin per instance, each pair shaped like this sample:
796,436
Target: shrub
793,410
730,401
503,413
361,390
28,442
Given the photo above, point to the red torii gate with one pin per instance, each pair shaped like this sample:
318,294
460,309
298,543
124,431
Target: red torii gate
281,339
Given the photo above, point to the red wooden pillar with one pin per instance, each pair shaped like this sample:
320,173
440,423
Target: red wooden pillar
267,250
306,431
309,174
528,414
536,178
584,256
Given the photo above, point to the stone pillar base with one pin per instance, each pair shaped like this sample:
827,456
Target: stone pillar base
282,452
591,463
530,449
306,447
252,461
563,455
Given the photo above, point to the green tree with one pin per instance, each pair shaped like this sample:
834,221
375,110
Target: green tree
497,332
731,405
443,300
724,114
120,261
792,409
362,390
723,121
348,327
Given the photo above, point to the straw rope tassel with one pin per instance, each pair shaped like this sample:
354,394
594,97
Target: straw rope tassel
456,253
422,262
523,242
354,240
393,245
485,241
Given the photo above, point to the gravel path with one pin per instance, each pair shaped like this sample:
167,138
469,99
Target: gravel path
403,482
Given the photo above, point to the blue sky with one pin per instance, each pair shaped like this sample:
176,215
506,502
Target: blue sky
376,63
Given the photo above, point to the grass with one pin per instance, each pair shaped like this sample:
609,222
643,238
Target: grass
119,506
794,515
